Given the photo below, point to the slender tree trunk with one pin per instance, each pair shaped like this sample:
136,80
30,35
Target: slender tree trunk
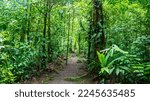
24,24
23,32
37,32
73,16
44,35
89,43
72,29
64,28
49,31
79,42
68,41
29,21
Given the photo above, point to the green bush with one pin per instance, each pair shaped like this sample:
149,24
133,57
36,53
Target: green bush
122,68
108,60
6,76
21,61
141,48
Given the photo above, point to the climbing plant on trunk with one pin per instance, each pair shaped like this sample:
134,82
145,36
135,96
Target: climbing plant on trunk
96,33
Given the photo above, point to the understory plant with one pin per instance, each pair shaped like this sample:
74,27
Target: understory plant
107,60
17,62
117,66
6,75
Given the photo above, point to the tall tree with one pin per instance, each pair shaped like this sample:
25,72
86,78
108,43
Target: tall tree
98,23
44,34
68,41
24,33
29,10
97,39
50,5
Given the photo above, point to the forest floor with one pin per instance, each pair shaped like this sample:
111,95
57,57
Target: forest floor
73,73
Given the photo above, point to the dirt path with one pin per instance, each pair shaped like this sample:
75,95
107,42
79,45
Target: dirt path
74,72
73,69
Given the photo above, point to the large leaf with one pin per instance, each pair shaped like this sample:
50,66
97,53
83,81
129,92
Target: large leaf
112,62
117,71
116,48
124,68
105,69
102,59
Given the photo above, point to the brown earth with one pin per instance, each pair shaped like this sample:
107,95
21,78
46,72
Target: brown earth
74,69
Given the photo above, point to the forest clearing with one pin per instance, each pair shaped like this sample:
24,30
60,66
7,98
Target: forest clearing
75,41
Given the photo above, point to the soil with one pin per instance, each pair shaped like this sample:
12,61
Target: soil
74,68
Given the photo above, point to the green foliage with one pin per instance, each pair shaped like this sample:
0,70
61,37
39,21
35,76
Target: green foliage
138,72
47,79
108,59
25,40
141,47
117,68
75,79
124,22
30,43
20,60
6,75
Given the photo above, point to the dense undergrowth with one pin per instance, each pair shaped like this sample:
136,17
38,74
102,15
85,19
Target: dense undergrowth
115,43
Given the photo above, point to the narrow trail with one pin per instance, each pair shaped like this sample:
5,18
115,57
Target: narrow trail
75,69
72,69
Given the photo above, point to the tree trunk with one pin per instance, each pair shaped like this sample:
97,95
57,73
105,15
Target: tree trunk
44,35
36,38
73,17
99,40
68,41
23,32
49,31
96,37
89,43
79,42
29,21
